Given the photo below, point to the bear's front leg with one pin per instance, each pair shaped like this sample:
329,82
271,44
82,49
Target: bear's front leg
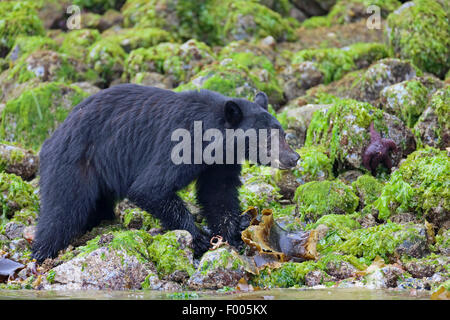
218,195
169,209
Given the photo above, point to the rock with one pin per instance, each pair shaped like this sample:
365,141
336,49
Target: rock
14,230
420,270
367,221
101,269
310,7
414,242
153,79
322,231
219,268
297,14
21,162
29,233
384,278
316,277
300,77
299,119
152,282
288,183
341,270
418,31
87,87
379,75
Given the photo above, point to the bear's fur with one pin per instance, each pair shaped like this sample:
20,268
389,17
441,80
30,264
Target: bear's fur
117,144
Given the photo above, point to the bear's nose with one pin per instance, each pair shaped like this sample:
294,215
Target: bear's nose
294,158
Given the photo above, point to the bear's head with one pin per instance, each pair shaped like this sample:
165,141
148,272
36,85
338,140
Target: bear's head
263,135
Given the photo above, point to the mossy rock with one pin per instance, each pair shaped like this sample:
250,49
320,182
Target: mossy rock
293,274
433,126
35,114
179,17
18,198
164,250
389,241
335,62
234,79
348,11
25,45
342,130
107,58
314,164
264,73
133,38
419,31
318,198
19,161
77,42
421,185
407,100
368,189
227,20
180,61
17,18
139,219
46,65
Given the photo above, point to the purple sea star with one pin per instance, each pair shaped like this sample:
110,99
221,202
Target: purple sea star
378,151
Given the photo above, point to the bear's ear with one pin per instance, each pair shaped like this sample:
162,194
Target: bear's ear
233,113
262,100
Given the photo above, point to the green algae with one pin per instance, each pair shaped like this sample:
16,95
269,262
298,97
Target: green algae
292,274
314,164
420,185
419,32
318,198
139,219
165,252
381,240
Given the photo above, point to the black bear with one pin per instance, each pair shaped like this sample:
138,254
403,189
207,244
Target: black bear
117,144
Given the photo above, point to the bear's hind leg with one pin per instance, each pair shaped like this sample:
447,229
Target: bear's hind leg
61,219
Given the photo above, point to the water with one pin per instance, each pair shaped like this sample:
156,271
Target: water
285,294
